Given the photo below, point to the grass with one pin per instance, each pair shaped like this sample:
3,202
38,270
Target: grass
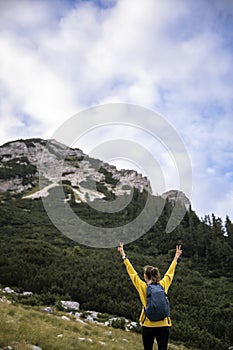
24,326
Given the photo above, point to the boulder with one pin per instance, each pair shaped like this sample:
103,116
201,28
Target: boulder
70,305
8,290
48,309
27,294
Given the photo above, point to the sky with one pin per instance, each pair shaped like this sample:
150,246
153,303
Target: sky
174,57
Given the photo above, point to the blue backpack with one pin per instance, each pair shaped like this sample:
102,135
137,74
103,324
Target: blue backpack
157,307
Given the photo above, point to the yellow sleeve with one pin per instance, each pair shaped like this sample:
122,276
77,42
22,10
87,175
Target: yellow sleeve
168,277
138,283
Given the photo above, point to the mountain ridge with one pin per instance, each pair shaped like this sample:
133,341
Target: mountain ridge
36,155
32,158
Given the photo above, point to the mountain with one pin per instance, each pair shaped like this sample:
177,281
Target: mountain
22,161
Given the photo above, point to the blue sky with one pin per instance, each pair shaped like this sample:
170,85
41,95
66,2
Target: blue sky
174,57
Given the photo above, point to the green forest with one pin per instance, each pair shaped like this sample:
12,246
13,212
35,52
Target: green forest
36,257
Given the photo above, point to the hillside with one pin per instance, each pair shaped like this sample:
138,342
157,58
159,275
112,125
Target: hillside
36,257
29,328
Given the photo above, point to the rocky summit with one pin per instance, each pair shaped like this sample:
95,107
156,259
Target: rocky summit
32,167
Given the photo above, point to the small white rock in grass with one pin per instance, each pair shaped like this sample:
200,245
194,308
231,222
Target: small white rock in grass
48,309
101,342
59,335
108,333
81,321
65,318
5,300
87,339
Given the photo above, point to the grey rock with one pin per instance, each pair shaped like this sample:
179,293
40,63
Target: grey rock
48,309
70,305
9,290
174,195
27,294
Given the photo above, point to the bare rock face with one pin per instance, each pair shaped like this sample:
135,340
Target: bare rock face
23,162
174,195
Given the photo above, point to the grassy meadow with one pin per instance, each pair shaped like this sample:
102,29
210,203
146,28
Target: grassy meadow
24,326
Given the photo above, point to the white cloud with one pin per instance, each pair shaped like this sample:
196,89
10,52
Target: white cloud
58,58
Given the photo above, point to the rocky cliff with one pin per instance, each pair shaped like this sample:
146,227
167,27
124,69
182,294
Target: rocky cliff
174,195
23,162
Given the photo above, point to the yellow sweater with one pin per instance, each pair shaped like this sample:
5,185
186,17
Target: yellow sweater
140,285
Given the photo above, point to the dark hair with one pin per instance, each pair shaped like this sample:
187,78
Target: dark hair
152,273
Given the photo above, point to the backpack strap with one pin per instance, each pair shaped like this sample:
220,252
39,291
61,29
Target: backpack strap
145,307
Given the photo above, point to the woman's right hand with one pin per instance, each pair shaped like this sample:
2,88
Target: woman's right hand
178,252
121,249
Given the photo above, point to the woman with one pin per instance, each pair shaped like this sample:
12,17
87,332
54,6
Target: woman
152,329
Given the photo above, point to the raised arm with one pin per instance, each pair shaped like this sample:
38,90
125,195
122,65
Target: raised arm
167,279
137,282
121,250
